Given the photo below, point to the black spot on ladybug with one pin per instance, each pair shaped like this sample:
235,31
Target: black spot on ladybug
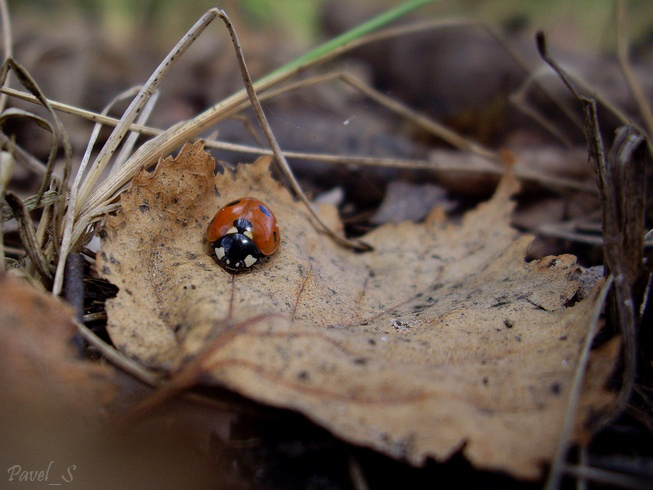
265,210
144,208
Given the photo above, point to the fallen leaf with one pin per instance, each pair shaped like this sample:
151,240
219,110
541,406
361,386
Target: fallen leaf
441,339
405,201
56,407
39,365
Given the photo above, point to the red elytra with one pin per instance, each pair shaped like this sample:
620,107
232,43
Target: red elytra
265,229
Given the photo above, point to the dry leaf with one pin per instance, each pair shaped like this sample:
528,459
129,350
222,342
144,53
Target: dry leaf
442,338
39,366
54,403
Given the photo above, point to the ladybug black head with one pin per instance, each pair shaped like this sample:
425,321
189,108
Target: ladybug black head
236,252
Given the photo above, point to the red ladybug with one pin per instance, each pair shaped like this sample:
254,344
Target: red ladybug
242,233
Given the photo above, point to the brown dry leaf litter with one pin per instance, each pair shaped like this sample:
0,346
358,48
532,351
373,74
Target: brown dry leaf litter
39,366
53,404
439,339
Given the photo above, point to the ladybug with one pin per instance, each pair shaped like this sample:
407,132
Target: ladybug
242,233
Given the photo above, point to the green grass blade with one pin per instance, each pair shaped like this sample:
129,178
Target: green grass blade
348,36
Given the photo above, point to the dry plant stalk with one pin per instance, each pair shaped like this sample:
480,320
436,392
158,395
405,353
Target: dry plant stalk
623,198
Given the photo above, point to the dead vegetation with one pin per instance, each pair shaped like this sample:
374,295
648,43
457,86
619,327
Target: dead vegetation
434,343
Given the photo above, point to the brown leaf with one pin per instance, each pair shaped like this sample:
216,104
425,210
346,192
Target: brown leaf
38,363
55,407
442,338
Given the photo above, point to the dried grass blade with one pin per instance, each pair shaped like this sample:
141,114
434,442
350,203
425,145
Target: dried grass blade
59,132
7,42
6,171
137,104
128,146
69,218
22,157
172,138
54,145
28,236
76,111
49,197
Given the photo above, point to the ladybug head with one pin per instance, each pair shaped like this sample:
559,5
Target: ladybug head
236,252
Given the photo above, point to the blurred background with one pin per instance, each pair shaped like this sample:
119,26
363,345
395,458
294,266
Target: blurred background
85,53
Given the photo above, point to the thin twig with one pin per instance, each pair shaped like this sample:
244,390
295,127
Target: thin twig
24,158
7,43
350,160
272,141
420,120
614,480
357,475
83,113
623,224
555,474
74,286
301,290
631,79
118,359
622,191
6,171
180,133
28,236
